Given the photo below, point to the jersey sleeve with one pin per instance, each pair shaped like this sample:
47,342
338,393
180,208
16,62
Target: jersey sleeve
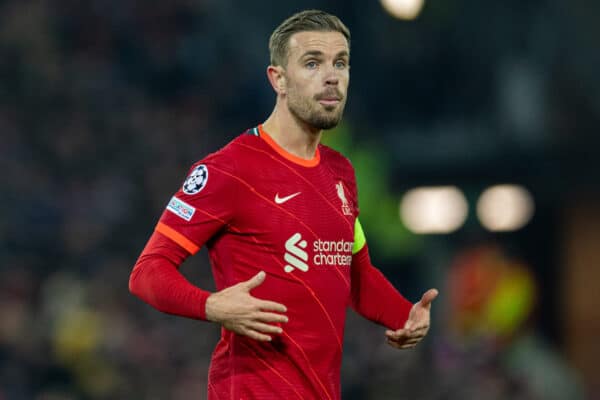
372,294
204,205
156,280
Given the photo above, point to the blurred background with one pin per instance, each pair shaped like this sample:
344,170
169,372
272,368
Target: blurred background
473,129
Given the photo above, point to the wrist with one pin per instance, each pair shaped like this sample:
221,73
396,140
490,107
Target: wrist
208,307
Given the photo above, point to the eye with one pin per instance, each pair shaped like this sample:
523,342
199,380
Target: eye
340,64
311,65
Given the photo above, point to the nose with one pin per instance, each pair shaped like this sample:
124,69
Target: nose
332,79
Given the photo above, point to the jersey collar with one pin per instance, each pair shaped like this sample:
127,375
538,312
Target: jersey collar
313,162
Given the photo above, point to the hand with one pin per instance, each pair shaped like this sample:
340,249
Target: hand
416,325
238,311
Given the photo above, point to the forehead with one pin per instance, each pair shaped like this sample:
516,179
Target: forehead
325,42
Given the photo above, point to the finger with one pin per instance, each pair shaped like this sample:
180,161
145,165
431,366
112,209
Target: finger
416,328
419,331
255,281
404,335
270,317
265,328
401,331
428,297
397,345
397,335
407,341
271,305
401,346
255,335
417,334
404,338
406,346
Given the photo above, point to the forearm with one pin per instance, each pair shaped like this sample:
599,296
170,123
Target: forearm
156,280
374,297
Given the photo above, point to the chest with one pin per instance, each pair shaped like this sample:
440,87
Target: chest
298,225
316,203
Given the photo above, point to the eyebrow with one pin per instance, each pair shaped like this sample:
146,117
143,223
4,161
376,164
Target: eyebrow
318,53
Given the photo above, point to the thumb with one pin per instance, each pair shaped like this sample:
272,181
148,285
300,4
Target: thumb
428,297
255,281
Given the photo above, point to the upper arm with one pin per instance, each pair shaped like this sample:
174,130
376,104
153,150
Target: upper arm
204,204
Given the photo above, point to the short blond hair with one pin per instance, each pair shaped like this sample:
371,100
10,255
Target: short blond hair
304,21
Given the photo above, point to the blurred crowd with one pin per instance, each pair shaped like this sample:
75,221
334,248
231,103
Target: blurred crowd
103,106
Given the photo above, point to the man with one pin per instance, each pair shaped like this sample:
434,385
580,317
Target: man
278,212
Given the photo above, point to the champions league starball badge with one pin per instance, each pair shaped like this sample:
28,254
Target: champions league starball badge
196,181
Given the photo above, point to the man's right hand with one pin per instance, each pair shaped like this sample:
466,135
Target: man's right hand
238,311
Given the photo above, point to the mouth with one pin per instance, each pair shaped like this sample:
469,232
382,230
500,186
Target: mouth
329,101
329,97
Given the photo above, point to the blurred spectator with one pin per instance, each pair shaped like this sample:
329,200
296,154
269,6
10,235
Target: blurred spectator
104,104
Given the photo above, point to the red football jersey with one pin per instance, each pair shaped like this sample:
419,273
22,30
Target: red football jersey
257,207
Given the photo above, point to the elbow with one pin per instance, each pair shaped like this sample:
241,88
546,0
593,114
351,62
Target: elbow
134,286
142,286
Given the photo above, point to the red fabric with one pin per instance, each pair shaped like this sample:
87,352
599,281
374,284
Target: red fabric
242,209
156,280
374,297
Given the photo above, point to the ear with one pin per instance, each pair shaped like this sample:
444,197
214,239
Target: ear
276,76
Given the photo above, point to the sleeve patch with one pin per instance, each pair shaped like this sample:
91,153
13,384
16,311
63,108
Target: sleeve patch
196,180
181,208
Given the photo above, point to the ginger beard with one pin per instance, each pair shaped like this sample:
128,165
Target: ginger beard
309,110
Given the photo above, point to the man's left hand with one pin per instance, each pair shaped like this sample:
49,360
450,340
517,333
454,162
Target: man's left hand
416,325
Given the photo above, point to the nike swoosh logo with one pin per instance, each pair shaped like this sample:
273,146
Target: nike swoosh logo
281,200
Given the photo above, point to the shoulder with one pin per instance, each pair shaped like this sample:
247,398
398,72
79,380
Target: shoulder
336,161
220,167
227,155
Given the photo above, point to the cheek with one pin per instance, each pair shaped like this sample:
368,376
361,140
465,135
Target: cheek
302,87
345,78
306,78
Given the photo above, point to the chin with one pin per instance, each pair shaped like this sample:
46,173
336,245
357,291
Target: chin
326,124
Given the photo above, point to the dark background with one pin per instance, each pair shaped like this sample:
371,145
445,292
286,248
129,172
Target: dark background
105,104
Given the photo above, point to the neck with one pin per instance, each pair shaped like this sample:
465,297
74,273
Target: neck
295,136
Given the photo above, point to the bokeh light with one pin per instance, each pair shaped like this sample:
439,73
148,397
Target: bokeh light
505,208
403,9
441,209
